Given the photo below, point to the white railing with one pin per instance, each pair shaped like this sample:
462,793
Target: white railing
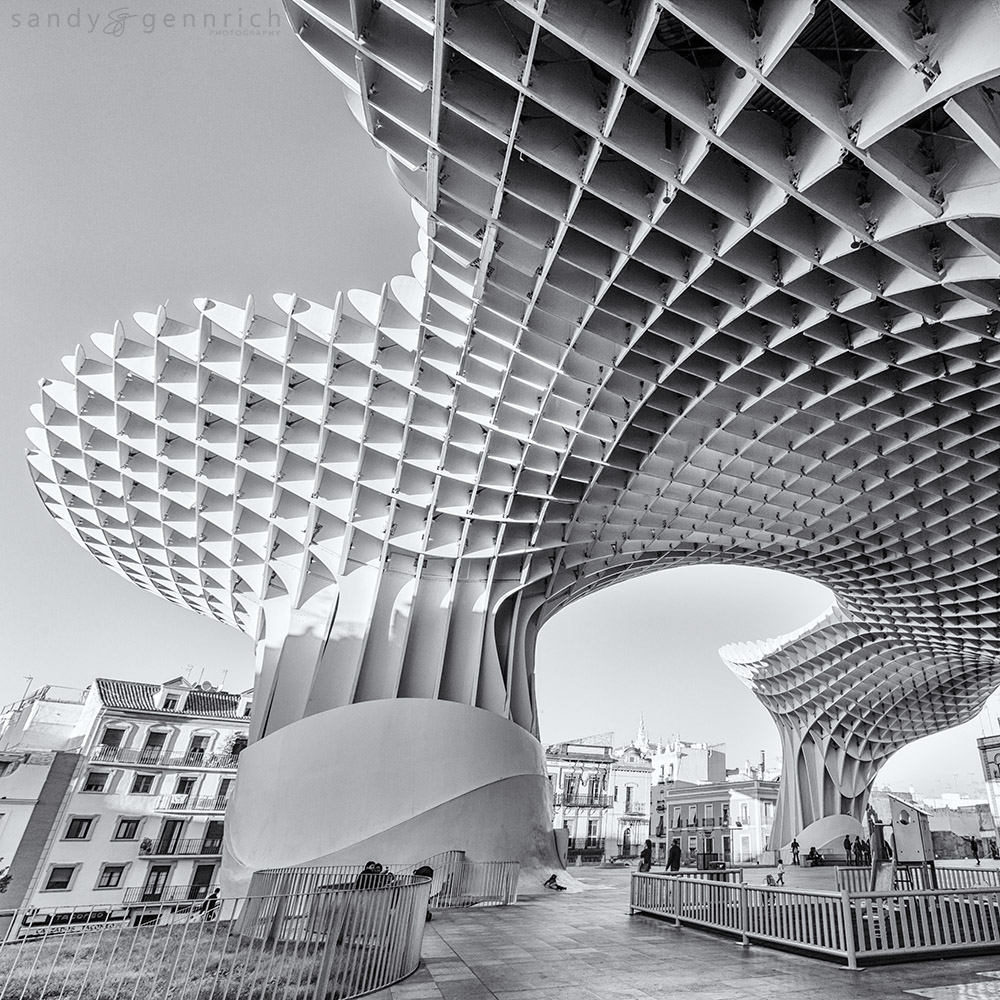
454,882
855,926
917,923
812,921
296,946
914,877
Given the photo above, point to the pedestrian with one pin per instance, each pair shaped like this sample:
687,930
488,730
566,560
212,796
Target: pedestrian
994,852
847,847
795,852
779,872
974,845
674,857
211,907
646,857
866,853
858,851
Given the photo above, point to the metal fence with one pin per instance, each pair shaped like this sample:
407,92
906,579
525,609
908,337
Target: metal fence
857,927
914,877
318,945
455,882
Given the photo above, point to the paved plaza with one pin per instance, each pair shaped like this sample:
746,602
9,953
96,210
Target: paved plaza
586,945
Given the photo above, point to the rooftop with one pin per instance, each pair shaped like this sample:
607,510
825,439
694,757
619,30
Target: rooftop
201,700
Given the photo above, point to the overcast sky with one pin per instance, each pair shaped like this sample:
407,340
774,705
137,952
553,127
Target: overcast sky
146,161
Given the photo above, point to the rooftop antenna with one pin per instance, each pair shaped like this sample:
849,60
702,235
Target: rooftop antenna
222,683
29,678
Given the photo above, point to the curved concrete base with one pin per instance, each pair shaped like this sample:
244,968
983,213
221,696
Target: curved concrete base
395,781
827,834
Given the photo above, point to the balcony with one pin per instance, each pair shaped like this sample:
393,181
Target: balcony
636,809
582,801
191,803
154,757
166,894
181,848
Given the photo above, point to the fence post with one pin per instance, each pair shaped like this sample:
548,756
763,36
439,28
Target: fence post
676,896
744,914
631,895
847,922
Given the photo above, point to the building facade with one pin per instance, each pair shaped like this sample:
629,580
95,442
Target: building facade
728,821
148,770
600,796
580,776
989,758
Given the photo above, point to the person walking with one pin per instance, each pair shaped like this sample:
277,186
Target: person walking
858,851
847,847
974,846
779,872
646,857
795,852
674,857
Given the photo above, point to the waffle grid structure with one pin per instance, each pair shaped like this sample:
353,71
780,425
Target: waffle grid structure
703,281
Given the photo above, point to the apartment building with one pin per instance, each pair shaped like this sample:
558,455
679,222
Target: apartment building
582,795
728,821
600,796
141,817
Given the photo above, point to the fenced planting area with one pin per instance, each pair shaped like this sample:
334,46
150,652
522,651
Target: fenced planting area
320,945
853,925
455,881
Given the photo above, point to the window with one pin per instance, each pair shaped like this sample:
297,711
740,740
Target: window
111,876
692,815
96,781
60,877
692,845
111,743
155,742
170,703
677,817
185,786
127,829
744,813
79,828
142,784
709,814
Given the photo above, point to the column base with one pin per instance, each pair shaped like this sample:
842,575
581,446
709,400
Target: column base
395,781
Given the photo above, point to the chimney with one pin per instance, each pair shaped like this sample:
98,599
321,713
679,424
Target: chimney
762,765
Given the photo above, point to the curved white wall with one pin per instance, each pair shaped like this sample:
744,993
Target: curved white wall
392,780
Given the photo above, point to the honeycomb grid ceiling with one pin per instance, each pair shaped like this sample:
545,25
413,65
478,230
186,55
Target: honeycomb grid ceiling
698,282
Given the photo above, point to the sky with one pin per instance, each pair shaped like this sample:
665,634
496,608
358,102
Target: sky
150,161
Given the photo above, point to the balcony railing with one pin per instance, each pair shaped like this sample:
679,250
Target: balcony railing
154,757
585,843
166,894
191,803
636,809
583,801
172,848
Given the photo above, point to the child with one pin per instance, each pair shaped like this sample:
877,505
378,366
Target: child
779,871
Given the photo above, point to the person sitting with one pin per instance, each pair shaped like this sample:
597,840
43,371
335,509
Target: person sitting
813,858
372,877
